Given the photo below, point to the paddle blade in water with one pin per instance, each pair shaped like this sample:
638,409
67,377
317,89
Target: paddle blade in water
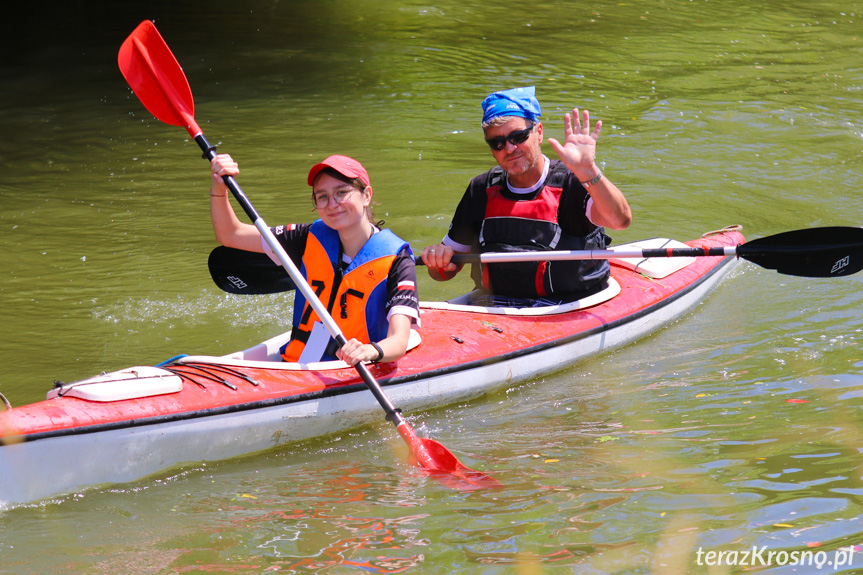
455,469
156,77
442,464
817,252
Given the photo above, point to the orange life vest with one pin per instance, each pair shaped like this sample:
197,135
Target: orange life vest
356,297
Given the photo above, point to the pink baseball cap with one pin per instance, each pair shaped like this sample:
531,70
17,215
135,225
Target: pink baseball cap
342,164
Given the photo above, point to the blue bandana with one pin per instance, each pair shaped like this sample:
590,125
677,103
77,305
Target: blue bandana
519,102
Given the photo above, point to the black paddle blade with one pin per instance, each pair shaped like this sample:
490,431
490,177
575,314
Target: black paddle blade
816,252
247,273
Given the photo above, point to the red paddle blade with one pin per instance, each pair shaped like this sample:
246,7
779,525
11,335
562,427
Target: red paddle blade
156,77
447,463
439,461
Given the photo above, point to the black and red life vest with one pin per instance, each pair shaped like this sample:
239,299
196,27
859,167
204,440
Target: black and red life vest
532,225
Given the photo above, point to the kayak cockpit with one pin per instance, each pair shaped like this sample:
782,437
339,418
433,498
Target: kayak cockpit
463,303
266,355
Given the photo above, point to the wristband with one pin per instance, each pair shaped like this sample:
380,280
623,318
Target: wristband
380,352
595,179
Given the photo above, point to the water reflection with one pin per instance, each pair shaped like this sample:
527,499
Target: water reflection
290,540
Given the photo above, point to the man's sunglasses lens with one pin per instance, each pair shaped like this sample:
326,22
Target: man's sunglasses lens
514,138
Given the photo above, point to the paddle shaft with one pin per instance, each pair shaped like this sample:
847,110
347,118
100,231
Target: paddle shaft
394,415
563,255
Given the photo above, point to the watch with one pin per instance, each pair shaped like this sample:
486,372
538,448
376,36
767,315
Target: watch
380,352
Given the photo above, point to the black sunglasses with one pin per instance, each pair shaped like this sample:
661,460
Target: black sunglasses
515,138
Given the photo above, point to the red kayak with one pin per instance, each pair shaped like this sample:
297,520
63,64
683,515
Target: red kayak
125,425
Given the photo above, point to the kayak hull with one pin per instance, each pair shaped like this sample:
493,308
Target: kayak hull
68,443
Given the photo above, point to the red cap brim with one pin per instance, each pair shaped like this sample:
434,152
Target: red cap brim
344,165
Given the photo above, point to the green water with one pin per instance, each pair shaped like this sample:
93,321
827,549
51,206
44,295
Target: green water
714,113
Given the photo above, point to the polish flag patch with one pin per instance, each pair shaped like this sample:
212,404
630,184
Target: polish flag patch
407,285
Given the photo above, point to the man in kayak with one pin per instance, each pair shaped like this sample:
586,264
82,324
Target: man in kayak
531,203
365,276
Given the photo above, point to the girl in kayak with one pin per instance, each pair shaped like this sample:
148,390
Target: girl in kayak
365,276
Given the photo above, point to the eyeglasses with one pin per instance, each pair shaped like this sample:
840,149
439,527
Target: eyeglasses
515,138
321,201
